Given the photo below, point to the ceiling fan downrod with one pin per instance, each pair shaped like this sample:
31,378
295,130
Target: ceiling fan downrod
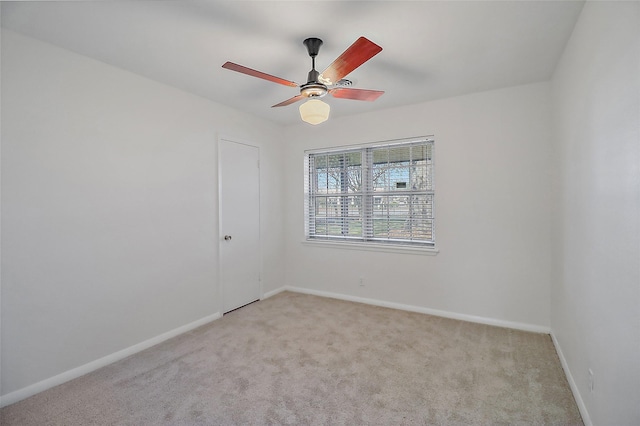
313,88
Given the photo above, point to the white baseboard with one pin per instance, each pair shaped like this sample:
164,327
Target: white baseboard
35,388
411,308
574,388
273,292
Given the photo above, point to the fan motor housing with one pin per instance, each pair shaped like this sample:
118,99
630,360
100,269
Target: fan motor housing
313,90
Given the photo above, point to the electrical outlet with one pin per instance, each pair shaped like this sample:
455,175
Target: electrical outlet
361,282
591,381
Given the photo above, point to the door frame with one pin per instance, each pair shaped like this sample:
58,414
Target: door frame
222,137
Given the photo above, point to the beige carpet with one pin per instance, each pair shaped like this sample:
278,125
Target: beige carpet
300,359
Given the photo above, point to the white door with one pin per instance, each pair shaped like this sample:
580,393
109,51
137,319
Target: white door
239,199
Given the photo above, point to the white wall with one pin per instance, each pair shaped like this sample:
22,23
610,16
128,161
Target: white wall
109,208
492,209
595,303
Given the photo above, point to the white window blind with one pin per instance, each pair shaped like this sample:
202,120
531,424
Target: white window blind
381,193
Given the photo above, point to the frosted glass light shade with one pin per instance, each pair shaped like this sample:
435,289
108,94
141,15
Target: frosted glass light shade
314,111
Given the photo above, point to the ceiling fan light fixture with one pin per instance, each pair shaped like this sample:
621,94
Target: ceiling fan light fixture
314,111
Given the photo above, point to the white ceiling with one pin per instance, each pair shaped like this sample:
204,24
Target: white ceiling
432,49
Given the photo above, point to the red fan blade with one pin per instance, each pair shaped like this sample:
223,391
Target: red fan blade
356,94
357,54
244,70
289,101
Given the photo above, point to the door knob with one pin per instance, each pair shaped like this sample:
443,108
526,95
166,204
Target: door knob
227,237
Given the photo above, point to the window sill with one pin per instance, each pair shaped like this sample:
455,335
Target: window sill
425,251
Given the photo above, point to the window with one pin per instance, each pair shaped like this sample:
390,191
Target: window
375,194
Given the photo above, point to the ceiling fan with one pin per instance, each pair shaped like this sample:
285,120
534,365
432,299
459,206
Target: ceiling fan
329,81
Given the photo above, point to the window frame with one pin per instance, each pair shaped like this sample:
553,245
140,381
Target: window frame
366,240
